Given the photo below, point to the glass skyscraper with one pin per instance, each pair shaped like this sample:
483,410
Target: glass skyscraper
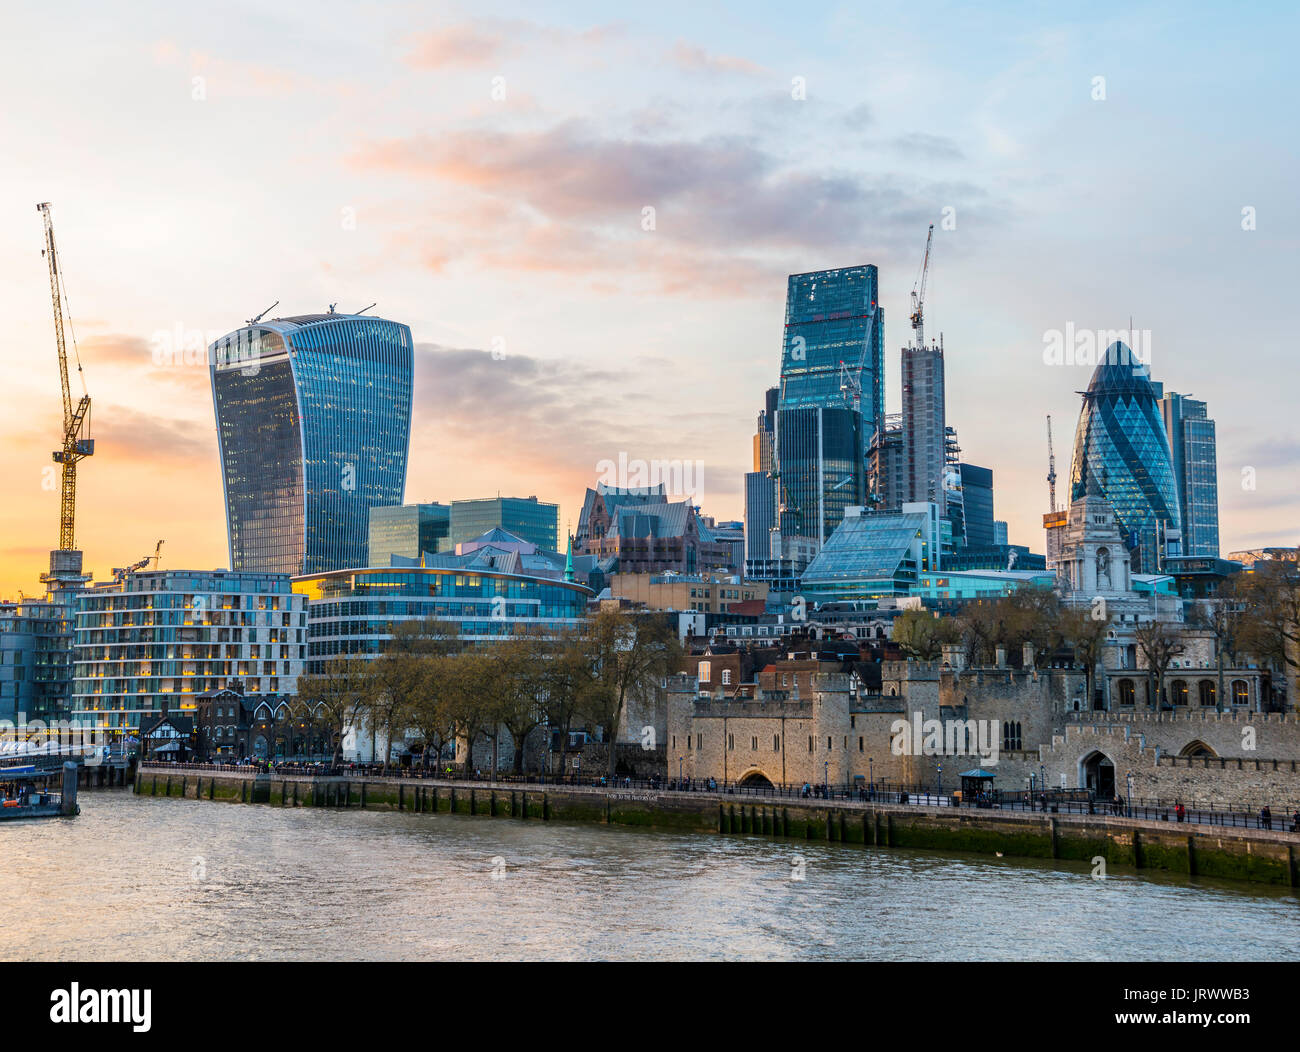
977,501
1192,446
1121,448
831,397
408,530
313,422
528,518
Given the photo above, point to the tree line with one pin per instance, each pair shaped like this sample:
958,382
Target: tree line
431,688
1254,614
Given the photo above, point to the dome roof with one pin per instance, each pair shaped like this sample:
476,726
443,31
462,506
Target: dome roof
1120,370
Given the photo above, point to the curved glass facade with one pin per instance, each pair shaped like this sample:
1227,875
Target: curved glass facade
313,421
1122,452
353,612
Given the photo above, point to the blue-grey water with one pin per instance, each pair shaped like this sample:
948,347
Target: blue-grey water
171,879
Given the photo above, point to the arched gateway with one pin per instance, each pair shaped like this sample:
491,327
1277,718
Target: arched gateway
1097,772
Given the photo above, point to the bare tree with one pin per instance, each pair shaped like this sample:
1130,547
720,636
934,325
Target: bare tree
921,635
1086,636
1159,646
1270,627
629,653
338,696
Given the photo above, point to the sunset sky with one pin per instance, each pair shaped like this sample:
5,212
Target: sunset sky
482,171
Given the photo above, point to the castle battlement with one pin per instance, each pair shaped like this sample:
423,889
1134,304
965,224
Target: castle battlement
1190,716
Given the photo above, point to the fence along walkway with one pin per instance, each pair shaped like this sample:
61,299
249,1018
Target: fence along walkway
920,796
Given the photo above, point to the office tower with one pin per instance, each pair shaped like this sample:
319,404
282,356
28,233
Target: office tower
408,530
1120,446
999,532
760,514
1192,448
977,498
924,427
533,520
831,397
313,424
760,488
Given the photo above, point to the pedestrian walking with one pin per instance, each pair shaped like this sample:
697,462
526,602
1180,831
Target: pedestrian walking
1266,817
1179,811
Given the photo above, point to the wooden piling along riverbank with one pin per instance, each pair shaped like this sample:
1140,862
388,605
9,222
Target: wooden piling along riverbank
1269,857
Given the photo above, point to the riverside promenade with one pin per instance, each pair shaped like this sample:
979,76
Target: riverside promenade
1257,855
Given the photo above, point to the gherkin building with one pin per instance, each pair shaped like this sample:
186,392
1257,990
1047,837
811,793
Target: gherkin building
1121,451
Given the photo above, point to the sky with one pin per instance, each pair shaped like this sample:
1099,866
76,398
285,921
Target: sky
486,173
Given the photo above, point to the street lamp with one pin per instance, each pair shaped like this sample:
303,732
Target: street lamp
1042,783
871,775
826,778
1129,777
939,769
680,760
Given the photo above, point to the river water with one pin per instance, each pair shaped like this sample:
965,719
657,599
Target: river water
171,879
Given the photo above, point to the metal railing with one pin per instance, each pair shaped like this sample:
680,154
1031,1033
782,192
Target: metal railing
1054,801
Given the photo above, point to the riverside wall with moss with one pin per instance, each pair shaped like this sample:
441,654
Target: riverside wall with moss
1269,857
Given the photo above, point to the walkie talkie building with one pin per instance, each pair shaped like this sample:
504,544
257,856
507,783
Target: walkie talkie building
313,423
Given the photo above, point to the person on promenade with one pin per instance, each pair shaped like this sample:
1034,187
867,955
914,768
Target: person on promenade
1179,811
1295,822
1266,817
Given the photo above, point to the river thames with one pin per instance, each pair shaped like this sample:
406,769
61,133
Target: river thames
171,879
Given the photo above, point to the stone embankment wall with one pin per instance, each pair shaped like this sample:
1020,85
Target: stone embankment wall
1253,855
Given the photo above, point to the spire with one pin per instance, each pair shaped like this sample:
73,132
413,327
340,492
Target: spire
568,562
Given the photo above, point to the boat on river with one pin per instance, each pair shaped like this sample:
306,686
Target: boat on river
29,791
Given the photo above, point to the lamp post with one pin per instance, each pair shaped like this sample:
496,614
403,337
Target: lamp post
680,761
826,778
939,770
1042,783
871,775
1129,778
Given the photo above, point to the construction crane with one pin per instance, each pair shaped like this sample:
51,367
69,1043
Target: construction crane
918,294
120,572
75,417
1051,466
850,384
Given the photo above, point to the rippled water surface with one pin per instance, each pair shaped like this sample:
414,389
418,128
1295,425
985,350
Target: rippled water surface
165,879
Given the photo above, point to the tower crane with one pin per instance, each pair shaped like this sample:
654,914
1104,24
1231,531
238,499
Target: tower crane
1051,466
918,294
75,417
850,384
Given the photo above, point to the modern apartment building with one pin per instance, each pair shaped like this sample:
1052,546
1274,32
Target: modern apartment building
153,641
